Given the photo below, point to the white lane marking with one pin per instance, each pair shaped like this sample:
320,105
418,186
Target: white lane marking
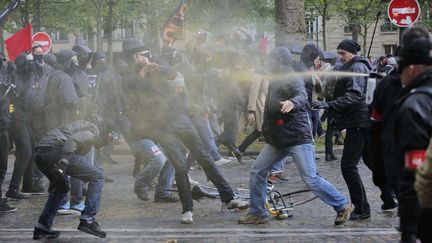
161,233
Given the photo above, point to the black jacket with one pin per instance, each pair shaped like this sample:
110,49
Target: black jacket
349,105
149,103
414,120
4,112
61,100
77,137
289,129
386,94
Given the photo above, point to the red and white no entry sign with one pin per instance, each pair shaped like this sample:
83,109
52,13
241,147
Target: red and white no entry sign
44,40
403,13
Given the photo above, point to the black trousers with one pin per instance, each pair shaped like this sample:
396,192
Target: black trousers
354,149
254,135
23,155
408,203
184,133
230,119
4,153
330,132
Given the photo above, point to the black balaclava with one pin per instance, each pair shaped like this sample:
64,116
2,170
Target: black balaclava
84,55
24,66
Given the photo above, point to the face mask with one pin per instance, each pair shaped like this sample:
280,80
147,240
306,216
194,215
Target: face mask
39,59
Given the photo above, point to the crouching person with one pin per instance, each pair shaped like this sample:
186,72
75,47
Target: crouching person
58,156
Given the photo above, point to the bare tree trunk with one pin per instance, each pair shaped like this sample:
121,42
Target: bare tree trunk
355,32
99,42
38,15
365,34
324,31
90,37
110,30
290,22
2,46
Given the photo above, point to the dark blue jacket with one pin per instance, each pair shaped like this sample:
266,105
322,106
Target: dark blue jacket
286,129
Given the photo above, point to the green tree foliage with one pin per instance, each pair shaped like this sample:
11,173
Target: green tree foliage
325,9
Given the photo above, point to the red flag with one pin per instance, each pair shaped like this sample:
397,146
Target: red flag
19,42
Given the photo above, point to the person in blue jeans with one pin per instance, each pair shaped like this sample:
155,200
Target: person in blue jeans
58,155
156,163
287,131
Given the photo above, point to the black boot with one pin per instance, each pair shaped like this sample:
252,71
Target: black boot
408,238
14,193
4,207
91,227
39,234
389,201
330,157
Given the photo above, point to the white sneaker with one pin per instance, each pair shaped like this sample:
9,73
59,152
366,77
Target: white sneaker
222,161
64,211
193,182
187,218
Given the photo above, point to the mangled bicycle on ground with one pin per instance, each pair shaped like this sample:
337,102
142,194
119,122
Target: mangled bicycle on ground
279,205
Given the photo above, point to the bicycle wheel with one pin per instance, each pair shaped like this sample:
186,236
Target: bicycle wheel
297,198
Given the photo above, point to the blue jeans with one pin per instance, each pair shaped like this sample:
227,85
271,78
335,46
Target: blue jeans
79,168
304,158
279,166
76,185
155,162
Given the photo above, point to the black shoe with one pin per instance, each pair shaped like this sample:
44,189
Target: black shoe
91,227
40,234
330,157
357,216
168,199
408,238
4,206
109,179
236,153
198,193
390,204
15,194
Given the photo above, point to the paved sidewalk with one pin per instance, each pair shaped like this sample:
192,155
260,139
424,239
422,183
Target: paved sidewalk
127,219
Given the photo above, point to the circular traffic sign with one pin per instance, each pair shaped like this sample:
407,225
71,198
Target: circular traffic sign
403,13
44,40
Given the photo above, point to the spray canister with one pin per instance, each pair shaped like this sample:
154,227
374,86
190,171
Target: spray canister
370,89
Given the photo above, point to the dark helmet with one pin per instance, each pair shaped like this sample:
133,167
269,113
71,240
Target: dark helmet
81,49
132,46
84,55
50,59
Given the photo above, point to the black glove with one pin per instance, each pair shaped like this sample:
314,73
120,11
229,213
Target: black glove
320,105
62,165
58,171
